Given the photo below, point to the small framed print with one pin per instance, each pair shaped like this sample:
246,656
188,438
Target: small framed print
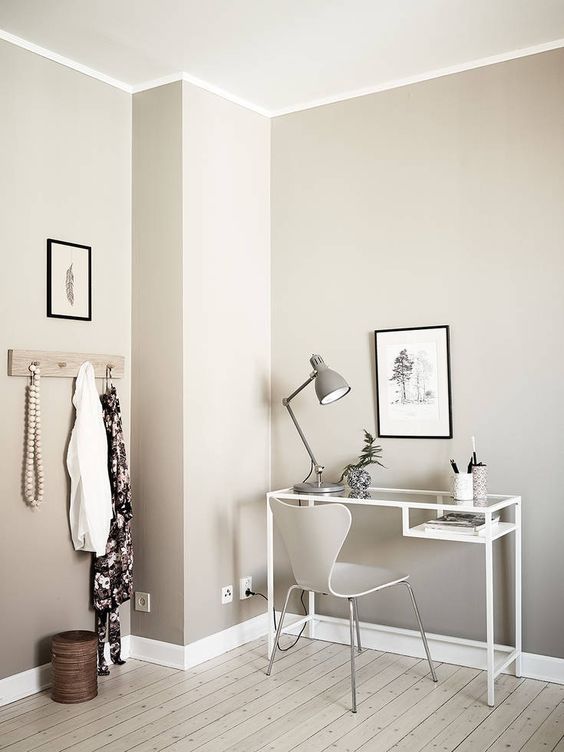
69,280
413,390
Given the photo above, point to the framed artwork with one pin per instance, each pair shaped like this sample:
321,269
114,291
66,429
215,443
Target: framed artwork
69,280
413,390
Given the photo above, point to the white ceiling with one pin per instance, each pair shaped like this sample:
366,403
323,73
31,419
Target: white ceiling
283,55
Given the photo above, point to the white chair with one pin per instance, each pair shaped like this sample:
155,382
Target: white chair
314,537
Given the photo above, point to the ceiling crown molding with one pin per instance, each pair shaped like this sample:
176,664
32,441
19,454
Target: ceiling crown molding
427,76
66,61
201,84
213,89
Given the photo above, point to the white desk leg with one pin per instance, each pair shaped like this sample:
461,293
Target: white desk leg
270,576
311,602
518,604
440,510
405,520
490,609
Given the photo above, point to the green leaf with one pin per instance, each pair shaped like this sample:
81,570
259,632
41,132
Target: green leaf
370,454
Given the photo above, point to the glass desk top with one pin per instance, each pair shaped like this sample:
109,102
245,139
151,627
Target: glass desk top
400,497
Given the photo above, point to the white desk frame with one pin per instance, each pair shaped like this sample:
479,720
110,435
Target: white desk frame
441,502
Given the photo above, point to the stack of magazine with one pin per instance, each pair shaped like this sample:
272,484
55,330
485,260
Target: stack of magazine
464,523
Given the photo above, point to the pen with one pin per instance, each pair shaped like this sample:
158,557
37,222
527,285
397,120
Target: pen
454,466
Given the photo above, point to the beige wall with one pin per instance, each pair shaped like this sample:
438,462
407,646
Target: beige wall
65,144
201,357
435,203
157,399
226,162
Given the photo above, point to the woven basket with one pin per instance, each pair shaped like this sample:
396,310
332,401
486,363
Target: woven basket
74,666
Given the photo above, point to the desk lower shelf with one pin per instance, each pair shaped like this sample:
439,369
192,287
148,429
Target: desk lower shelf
420,531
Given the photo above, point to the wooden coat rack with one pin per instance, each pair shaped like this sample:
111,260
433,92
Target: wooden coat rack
63,364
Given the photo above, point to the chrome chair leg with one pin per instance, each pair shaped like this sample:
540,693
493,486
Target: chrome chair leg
420,624
358,642
353,665
279,629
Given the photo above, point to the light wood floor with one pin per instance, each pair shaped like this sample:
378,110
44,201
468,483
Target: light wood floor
229,704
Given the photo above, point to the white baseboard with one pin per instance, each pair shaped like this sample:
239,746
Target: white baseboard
26,683
155,651
187,656
445,649
34,680
543,667
219,643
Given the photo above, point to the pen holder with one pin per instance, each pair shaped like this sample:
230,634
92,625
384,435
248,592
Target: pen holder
462,487
480,482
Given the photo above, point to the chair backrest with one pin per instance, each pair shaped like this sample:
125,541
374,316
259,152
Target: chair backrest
313,537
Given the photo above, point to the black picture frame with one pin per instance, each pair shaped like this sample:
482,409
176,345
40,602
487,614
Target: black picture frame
51,312
448,432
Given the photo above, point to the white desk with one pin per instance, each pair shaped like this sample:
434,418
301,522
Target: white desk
438,501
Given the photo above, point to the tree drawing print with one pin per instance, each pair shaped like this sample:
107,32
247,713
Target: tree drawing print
401,373
413,374
423,371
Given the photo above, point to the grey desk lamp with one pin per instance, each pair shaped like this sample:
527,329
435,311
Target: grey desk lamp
329,387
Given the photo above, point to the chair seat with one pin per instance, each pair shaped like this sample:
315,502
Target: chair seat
353,580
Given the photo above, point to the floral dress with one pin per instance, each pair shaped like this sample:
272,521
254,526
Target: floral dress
113,572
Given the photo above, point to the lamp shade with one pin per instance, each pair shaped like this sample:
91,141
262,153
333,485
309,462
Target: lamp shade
330,386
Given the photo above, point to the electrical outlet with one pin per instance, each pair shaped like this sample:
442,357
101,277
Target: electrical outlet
245,583
226,594
143,602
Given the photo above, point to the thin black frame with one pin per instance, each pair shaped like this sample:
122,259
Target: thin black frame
412,329
50,313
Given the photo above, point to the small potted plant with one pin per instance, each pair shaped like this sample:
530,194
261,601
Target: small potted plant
355,475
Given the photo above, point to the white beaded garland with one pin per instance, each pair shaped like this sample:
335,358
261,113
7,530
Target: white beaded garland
33,467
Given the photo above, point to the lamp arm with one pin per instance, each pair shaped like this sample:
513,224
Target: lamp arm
302,437
286,402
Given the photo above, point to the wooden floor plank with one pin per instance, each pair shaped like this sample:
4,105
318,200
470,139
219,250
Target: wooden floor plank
503,715
234,729
550,734
260,732
527,723
14,709
247,656
179,689
109,690
404,723
311,733
473,694
172,683
32,702
370,724
273,699
458,728
229,705
158,721
346,721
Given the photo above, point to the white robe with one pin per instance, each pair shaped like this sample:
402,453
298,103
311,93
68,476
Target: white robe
87,462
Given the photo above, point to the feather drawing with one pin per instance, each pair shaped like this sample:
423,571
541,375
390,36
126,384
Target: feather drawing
70,285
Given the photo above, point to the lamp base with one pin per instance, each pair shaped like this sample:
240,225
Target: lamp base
315,488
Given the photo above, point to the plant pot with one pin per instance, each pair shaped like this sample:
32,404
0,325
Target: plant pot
359,480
